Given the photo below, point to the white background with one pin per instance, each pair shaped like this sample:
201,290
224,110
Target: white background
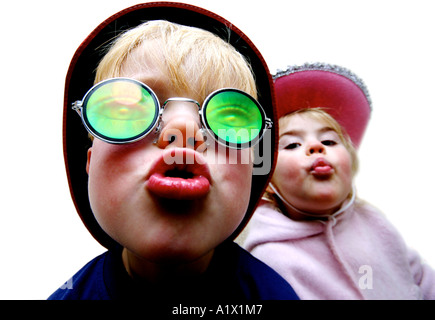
389,44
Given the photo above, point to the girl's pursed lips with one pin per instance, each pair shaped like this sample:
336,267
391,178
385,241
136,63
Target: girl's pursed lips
321,167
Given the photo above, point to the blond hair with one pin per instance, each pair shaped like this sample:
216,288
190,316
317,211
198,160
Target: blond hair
193,59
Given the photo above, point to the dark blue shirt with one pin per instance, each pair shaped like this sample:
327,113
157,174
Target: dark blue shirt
233,274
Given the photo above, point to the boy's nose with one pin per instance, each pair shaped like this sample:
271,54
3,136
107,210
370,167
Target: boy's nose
180,127
315,148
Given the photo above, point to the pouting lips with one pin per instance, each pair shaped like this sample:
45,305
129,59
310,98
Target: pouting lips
180,174
321,168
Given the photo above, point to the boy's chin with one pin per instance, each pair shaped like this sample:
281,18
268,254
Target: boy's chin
179,206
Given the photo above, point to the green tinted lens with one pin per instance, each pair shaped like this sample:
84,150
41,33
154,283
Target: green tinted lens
121,110
234,117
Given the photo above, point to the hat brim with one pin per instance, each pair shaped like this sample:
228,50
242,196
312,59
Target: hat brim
335,93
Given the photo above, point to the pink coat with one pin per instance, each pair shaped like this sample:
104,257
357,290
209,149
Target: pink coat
358,256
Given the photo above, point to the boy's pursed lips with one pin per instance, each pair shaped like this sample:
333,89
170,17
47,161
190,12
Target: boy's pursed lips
180,174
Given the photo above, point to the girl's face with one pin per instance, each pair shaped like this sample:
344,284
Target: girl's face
314,169
166,198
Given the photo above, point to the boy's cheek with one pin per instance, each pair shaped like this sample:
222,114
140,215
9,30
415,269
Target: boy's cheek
231,169
232,191
217,154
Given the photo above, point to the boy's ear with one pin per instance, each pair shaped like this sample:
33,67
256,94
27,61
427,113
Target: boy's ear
88,162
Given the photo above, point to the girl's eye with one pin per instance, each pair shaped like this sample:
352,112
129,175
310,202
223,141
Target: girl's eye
329,142
292,146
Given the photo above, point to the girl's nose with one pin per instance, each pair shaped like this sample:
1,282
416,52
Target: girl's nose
181,126
315,147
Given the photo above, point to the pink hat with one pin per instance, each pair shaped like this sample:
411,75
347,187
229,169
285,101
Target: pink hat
334,89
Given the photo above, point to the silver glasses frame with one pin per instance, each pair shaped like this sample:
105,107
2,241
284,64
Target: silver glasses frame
157,122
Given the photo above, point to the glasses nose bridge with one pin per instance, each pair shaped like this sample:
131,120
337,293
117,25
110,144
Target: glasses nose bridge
181,99
181,130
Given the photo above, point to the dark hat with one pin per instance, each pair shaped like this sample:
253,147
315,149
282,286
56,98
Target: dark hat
80,78
335,89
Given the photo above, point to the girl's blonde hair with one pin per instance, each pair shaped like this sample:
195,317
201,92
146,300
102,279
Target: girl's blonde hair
193,59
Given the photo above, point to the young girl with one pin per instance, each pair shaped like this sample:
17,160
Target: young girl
311,228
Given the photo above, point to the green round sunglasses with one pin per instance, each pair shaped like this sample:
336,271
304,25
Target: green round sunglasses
124,110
